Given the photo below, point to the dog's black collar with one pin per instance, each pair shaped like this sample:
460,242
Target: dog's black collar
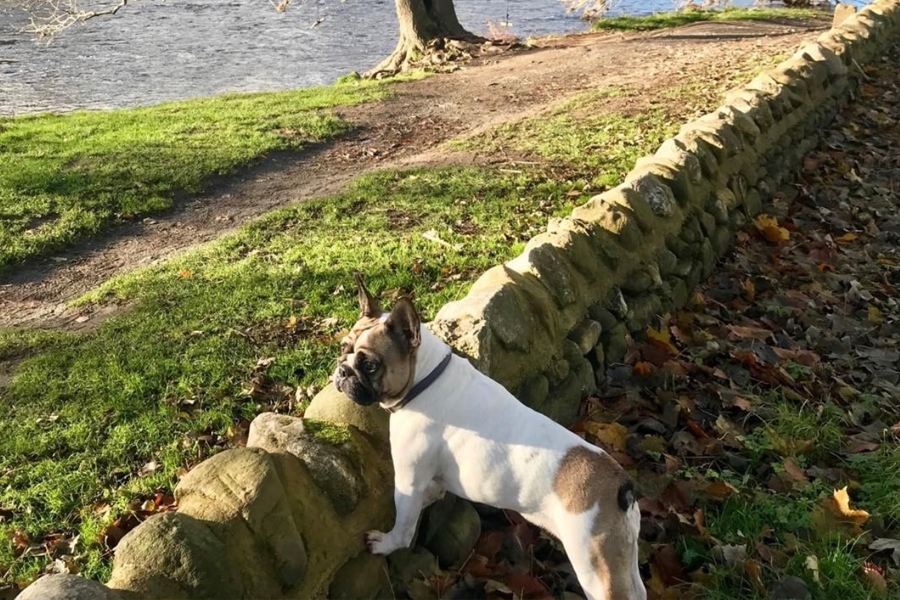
422,385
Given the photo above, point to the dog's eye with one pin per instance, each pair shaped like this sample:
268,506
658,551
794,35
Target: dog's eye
369,366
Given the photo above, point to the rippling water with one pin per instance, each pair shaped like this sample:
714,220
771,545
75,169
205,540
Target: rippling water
155,51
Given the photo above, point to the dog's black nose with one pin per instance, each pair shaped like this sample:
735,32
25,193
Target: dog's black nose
344,370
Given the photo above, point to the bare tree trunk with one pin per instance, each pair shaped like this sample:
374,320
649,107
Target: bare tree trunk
424,25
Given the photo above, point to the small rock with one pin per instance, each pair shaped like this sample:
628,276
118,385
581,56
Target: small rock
64,586
408,564
790,588
363,577
534,391
450,532
586,335
602,316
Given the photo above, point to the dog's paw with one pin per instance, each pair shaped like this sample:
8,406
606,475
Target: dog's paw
379,542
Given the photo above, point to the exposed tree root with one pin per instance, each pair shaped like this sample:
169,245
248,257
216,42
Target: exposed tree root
440,54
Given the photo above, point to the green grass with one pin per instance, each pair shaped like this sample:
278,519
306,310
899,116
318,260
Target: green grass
790,524
84,412
66,177
677,19
590,140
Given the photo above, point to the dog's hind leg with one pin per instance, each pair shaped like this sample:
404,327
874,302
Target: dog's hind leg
576,537
603,553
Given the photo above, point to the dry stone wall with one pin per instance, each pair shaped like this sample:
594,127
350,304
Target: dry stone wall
548,323
284,517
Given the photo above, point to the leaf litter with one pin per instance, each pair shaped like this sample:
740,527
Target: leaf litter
780,373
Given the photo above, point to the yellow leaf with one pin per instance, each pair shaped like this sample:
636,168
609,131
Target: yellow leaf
768,227
610,435
842,508
846,238
184,274
292,322
662,340
875,317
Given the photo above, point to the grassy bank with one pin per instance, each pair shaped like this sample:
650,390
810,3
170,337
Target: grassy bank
677,19
67,177
171,381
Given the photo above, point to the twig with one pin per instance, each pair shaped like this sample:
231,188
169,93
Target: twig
861,72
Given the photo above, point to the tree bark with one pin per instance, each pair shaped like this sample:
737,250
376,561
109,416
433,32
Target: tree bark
424,24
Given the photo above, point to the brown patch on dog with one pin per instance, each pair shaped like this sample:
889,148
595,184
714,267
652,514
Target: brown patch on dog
588,478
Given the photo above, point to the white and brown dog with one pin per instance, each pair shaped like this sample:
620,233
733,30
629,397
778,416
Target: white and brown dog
454,429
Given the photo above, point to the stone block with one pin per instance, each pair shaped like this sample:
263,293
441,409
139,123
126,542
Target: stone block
175,555
637,282
535,390
666,261
334,406
680,292
741,122
737,220
363,577
585,335
643,309
653,192
723,240
842,12
331,453
614,343
612,218
450,527
699,147
600,314
707,224
677,169
239,493
564,400
550,265
707,256
753,203
680,248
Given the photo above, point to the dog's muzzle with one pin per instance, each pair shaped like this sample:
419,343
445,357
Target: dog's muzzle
357,388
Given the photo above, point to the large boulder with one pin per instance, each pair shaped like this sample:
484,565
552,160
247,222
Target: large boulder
338,482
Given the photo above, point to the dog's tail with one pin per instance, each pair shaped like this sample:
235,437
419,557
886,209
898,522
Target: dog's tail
625,497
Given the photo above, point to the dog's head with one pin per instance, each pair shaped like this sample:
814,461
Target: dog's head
378,356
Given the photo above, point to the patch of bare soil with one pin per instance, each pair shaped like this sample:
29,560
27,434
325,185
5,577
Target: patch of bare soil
403,130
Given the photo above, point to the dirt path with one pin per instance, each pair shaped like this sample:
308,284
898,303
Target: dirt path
404,130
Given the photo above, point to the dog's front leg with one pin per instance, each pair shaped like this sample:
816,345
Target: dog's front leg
409,507
414,488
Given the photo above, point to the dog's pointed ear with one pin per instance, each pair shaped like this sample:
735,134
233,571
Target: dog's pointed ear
368,305
405,319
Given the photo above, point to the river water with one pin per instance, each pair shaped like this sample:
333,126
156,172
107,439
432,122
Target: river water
154,51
